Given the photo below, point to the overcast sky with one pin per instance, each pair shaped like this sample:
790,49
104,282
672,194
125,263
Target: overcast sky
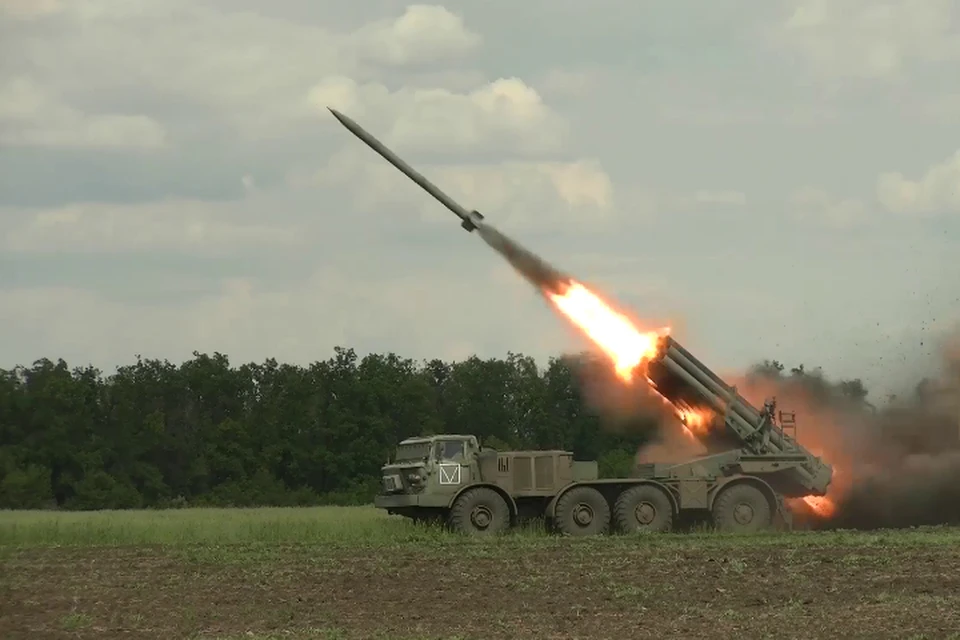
774,178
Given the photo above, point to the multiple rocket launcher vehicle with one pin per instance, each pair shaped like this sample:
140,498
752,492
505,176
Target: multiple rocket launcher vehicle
753,461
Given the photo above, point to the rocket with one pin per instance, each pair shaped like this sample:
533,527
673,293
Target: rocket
469,219
544,276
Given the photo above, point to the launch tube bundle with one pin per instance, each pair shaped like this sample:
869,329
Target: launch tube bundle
685,381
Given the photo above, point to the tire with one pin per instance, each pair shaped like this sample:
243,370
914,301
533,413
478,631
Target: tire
582,511
644,508
742,508
480,512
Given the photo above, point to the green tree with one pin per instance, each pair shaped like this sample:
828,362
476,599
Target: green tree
156,434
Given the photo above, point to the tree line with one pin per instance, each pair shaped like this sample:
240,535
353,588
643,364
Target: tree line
155,434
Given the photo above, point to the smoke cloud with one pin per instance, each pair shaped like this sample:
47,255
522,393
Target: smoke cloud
537,271
614,401
632,408
896,466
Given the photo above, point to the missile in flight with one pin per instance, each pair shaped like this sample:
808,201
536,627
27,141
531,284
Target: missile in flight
535,269
469,219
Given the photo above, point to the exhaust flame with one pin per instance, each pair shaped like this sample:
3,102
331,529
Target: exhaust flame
694,420
621,341
820,505
612,332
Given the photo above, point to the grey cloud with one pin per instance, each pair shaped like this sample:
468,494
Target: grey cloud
936,191
31,115
871,40
697,127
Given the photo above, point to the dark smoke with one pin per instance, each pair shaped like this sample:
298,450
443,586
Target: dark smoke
896,466
908,473
623,407
632,408
916,490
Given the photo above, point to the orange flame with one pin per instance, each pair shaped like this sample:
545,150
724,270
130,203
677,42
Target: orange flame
820,505
694,420
615,335
611,331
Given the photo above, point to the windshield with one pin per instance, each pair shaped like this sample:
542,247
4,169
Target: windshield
447,449
415,451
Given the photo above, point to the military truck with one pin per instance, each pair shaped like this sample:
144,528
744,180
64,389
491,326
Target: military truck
753,463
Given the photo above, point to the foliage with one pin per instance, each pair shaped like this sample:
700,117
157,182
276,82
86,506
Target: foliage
205,433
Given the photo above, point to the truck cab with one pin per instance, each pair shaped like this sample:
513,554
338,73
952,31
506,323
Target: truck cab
425,473
475,489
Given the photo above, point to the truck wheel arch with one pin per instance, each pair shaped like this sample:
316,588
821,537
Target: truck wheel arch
511,503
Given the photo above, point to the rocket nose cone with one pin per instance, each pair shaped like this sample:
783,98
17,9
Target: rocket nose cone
349,124
345,121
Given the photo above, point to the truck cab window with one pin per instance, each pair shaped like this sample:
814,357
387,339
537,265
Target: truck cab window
448,449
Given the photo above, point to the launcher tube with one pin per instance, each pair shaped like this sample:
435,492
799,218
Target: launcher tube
736,410
776,441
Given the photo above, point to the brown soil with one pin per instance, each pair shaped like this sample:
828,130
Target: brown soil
577,591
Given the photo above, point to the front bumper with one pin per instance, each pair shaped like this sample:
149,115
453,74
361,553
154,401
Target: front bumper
400,500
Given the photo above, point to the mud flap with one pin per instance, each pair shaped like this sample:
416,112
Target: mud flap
783,516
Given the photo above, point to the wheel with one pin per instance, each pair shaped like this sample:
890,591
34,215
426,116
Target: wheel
643,508
741,508
582,511
480,511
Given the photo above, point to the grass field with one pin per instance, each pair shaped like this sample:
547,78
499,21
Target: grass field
355,573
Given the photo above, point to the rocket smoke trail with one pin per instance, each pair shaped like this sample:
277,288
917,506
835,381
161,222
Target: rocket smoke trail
541,274
538,271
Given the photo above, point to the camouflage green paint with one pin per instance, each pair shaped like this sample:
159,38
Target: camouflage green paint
481,491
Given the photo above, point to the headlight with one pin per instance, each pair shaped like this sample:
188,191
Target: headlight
391,483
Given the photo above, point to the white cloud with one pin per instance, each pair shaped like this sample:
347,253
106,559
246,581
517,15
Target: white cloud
178,225
430,315
528,194
512,194
424,33
870,39
936,191
504,114
502,118
255,70
29,9
821,207
584,132
31,116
